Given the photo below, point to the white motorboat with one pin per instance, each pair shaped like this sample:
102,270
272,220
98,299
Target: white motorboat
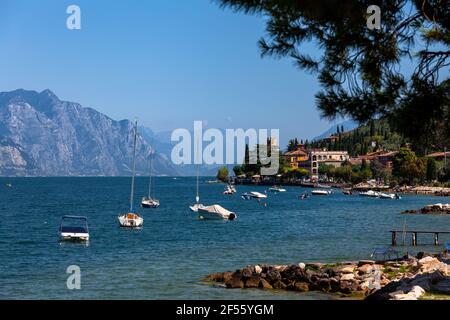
389,196
216,212
229,190
131,219
74,228
150,201
277,189
257,195
195,207
321,192
370,194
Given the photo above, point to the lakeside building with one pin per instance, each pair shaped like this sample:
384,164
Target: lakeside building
312,159
318,157
386,158
297,157
439,156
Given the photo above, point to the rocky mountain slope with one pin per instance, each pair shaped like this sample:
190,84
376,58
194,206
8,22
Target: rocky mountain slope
40,135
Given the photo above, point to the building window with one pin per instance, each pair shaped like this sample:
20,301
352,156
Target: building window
314,164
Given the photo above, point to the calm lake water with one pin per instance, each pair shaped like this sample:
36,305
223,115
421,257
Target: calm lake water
174,251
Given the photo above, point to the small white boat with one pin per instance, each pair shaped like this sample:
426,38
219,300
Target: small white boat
370,194
150,201
76,230
216,212
258,195
195,207
228,192
321,192
321,186
389,196
130,219
277,189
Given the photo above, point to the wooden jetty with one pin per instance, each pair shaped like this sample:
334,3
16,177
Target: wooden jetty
414,235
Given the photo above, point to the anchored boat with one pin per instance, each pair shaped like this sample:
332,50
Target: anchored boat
131,219
370,194
254,195
149,201
216,212
277,189
74,228
321,192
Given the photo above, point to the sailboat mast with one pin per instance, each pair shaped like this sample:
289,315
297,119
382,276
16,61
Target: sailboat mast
197,198
134,168
150,178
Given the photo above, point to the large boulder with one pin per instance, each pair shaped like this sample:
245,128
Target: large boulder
273,276
346,269
301,286
263,284
430,264
235,281
252,282
415,293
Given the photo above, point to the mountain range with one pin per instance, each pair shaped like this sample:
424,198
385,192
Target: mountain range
41,135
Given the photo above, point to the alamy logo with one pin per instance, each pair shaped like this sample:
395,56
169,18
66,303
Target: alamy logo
74,280
374,278
374,18
73,22
228,148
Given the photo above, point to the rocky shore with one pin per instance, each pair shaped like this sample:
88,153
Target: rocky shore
438,208
406,279
425,190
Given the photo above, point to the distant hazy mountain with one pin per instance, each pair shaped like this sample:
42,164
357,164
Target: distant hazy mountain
41,135
348,126
163,145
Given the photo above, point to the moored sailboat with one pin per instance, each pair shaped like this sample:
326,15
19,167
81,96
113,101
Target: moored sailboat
195,207
131,219
149,201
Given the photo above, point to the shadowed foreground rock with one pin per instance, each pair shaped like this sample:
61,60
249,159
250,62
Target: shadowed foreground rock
406,279
437,208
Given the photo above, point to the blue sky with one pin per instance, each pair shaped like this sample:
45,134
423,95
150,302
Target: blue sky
166,62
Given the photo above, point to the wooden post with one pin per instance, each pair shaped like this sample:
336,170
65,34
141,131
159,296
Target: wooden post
394,238
436,239
414,239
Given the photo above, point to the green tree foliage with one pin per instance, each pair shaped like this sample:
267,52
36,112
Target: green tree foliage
357,142
222,174
238,170
360,70
293,145
408,168
432,169
296,173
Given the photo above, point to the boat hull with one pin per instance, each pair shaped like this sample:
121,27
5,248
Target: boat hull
215,212
75,237
214,216
320,193
150,204
131,221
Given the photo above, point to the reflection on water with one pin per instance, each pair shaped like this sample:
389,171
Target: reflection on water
174,250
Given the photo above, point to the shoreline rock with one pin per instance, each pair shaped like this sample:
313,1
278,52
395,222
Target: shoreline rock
405,279
437,208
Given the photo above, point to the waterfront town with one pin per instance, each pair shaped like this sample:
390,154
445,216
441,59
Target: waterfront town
366,158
